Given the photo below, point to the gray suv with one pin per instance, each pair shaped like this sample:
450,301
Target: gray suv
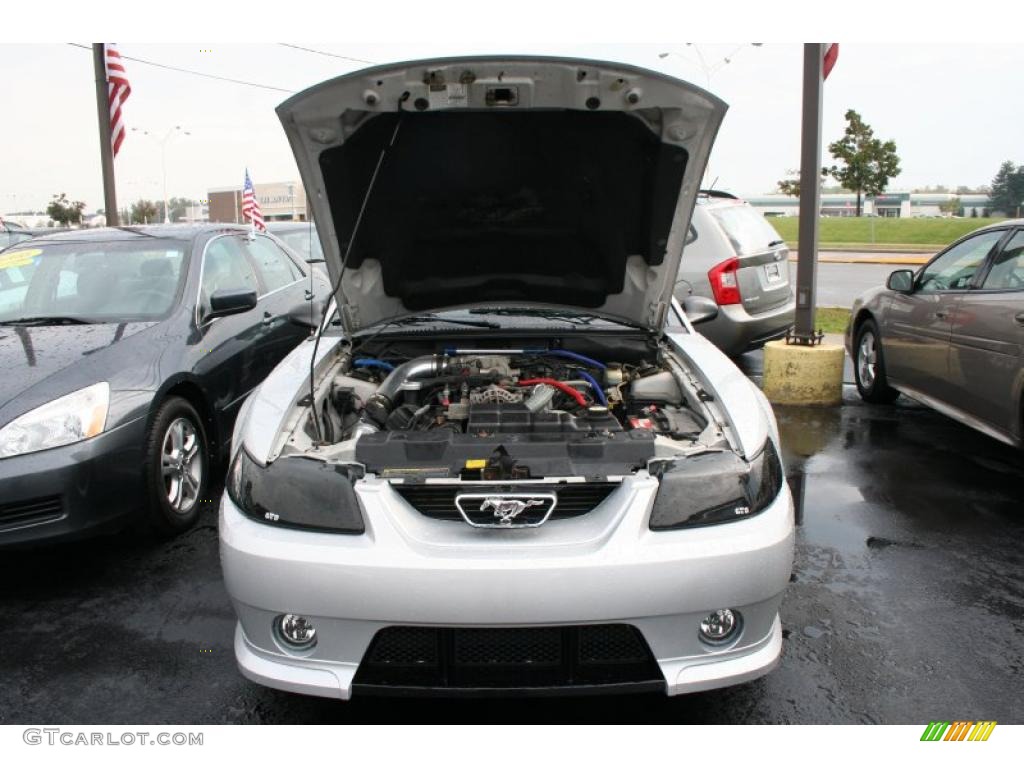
952,334
735,257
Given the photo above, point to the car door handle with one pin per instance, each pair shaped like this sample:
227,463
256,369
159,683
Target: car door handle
941,314
1019,317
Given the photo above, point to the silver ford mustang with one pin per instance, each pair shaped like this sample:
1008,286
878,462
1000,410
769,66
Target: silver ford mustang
508,462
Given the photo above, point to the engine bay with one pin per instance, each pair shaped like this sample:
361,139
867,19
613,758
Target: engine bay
507,412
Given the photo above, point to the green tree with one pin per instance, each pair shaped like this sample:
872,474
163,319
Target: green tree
1008,188
179,207
791,186
65,212
867,163
952,207
143,212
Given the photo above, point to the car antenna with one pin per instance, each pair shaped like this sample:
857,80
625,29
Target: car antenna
344,262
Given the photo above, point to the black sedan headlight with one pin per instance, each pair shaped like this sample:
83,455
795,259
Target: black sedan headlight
712,488
297,493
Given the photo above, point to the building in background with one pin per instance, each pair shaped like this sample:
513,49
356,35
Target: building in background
279,201
890,204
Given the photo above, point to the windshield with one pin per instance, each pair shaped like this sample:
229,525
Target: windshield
94,281
300,241
747,230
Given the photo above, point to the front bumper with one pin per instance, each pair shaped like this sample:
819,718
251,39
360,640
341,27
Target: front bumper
603,567
66,492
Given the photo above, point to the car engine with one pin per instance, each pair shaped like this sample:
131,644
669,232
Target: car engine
495,414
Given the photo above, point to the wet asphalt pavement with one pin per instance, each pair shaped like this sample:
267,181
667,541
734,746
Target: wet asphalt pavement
906,605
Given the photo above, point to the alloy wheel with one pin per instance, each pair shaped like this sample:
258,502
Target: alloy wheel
181,465
867,358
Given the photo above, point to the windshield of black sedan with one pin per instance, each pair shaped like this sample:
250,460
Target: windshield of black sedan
90,280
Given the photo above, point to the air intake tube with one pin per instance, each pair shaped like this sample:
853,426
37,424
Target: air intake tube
382,402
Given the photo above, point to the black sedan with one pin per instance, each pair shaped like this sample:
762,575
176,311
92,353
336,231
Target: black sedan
126,354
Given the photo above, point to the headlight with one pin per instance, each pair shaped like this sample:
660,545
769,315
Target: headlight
297,493
66,420
715,488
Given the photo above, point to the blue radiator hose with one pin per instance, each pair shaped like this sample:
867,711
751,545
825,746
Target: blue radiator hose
369,362
565,353
598,392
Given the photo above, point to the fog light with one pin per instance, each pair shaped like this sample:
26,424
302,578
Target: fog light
720,627
297,631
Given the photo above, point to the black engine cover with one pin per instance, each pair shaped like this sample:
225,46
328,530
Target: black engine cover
515,418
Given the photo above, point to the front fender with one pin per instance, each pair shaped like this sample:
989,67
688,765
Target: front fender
264,412
740,401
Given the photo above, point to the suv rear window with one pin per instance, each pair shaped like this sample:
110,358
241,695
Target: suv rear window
747,230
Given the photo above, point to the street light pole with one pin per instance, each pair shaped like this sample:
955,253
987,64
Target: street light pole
708,70
163,160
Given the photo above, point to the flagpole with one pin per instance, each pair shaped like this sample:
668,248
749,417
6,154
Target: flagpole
106,150
810,195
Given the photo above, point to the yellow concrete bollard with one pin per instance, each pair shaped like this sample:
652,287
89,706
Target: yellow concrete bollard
799,375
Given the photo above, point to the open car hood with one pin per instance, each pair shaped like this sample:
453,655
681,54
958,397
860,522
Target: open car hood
502,181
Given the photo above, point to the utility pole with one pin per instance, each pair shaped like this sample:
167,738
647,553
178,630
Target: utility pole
810,196
106,150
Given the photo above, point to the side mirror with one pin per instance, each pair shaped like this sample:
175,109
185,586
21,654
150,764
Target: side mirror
699,309
224,303
901,281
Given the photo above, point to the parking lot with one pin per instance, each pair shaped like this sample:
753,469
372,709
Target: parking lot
906,605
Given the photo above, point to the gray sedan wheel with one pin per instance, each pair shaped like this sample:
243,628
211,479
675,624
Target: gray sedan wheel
869,365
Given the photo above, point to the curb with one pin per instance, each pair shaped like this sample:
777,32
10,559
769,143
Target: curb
908,260
874,248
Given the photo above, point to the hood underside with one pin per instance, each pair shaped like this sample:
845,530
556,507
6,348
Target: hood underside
502,181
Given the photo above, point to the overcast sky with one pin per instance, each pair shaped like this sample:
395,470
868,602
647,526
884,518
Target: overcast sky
946,106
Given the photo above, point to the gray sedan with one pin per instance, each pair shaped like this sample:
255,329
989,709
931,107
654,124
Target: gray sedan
952,334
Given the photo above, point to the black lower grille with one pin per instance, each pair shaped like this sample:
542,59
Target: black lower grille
39,510
474,660
438,500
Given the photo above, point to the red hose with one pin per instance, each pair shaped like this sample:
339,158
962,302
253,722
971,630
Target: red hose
574,394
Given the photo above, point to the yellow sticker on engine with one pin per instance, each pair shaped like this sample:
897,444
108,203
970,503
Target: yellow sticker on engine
476,463
18,258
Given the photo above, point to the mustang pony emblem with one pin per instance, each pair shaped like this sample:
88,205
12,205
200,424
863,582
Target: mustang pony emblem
506,510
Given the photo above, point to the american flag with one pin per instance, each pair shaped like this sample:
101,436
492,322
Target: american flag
250,205
829,59
118,91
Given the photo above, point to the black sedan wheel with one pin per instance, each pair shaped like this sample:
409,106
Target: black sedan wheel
177,467
869,366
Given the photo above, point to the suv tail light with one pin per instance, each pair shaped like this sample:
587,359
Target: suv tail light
724,283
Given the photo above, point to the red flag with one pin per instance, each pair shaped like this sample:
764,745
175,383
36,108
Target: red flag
118,91
829,60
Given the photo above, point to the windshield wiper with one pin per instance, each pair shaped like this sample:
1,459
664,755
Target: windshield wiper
773,243
49,320
425,319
